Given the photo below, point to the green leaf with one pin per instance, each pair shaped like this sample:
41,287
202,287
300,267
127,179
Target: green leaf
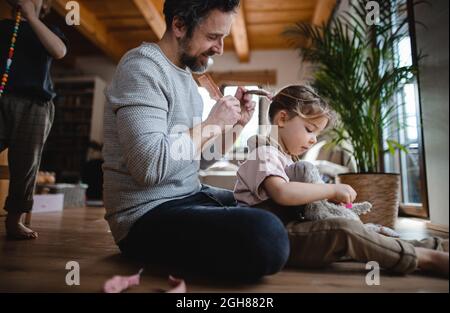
394,145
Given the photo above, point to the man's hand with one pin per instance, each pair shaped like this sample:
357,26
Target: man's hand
29,8
227,111
247,106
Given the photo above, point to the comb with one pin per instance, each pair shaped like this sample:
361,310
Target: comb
260,92
206,82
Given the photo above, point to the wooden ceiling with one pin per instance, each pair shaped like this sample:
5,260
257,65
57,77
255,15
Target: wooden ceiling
115,26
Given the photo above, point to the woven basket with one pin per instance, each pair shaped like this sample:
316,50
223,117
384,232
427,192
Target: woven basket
380,189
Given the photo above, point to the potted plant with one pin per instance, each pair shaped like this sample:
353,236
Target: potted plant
358,72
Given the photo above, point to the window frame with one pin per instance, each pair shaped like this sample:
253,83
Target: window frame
413,209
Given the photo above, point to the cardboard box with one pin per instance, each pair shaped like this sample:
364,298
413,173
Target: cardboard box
48,203
74,195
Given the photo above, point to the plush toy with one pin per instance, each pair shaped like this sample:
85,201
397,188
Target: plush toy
306,172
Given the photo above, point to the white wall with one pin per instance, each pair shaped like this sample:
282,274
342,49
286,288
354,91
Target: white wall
286,63
433,79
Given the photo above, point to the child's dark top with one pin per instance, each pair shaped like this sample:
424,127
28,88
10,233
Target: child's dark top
29,75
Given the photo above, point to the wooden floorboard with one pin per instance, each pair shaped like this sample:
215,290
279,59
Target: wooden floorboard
82,235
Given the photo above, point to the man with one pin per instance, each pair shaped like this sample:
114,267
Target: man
156,207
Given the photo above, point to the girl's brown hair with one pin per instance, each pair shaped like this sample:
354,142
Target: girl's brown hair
303,101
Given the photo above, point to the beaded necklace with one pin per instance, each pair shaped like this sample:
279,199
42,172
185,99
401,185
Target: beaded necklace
11,53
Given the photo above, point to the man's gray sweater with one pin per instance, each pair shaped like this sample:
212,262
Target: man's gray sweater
151,103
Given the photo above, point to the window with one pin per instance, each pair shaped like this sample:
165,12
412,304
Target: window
410,165
252,127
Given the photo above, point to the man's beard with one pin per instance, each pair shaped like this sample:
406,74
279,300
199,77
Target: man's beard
193,62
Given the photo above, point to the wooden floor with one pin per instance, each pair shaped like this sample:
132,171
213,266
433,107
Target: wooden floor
82,235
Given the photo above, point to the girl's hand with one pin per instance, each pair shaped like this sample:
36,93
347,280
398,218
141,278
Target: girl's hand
343,194
29,8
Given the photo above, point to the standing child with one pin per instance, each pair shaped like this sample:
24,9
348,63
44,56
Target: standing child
27,48
268,179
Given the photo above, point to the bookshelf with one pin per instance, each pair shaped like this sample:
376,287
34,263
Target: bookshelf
79,106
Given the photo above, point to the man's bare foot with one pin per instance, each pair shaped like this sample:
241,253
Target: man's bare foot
433,261
16,230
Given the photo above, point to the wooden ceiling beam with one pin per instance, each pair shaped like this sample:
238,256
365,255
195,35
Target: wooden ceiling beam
93,29
240,36
264,78
5,10
284,5
286,17
153,16
323,11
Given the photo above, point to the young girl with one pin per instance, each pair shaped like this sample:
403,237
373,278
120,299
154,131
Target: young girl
298,115
26,107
